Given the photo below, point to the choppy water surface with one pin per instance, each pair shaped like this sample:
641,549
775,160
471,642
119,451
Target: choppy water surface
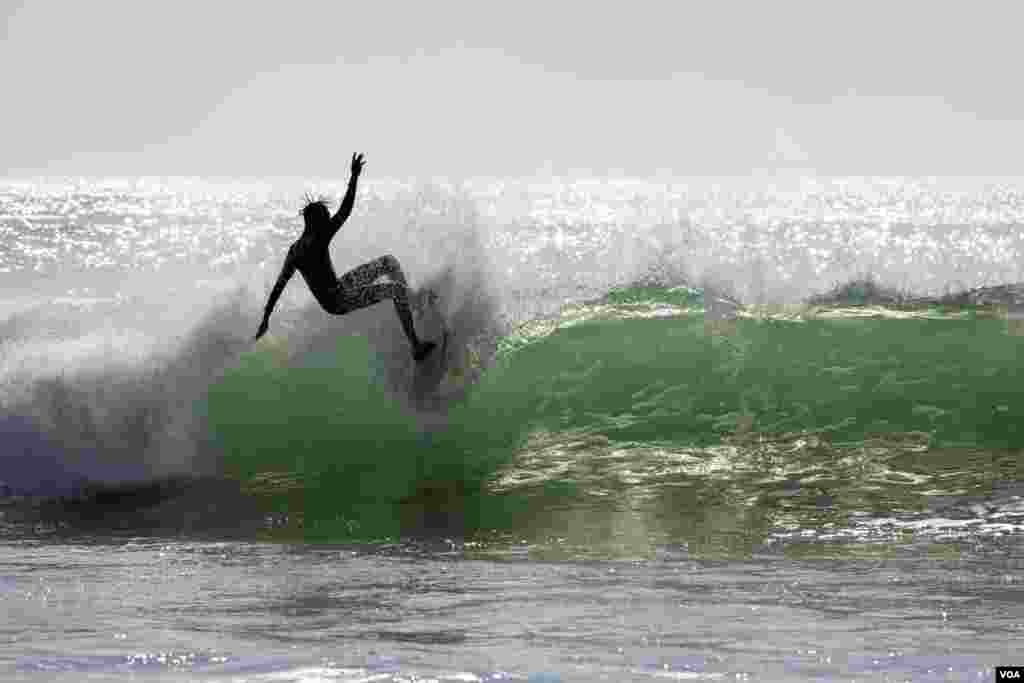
174,610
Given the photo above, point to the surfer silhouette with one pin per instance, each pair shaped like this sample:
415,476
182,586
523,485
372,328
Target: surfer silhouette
358,288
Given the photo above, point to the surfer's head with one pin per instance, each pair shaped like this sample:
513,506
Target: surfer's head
315,213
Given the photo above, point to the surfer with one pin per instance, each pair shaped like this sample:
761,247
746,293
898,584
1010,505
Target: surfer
355,289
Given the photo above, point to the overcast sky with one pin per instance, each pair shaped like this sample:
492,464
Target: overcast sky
213,87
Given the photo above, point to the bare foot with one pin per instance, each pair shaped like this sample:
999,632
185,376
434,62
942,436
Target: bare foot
424,350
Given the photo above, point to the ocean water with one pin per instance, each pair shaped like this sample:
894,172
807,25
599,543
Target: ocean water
764,430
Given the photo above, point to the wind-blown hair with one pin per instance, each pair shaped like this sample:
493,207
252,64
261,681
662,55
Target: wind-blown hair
315,210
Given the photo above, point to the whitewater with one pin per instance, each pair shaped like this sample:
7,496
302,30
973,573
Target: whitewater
756,429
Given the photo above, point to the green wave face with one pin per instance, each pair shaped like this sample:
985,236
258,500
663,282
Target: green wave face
624,427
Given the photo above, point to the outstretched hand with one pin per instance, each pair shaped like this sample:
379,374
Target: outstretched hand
262,331
357,164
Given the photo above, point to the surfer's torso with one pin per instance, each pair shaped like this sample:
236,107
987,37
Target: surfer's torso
312,258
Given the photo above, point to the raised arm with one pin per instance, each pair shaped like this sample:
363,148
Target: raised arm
286,273
350,195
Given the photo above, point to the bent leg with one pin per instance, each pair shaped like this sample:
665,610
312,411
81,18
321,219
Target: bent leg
371,271
349,300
